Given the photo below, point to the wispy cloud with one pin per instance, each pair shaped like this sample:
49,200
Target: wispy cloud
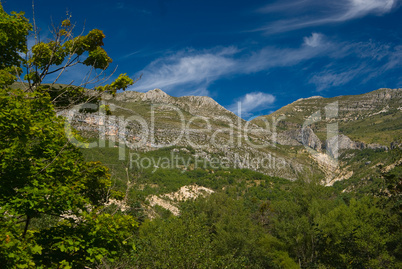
269,57
251,102
309,13
197,68
331,78
395,58
371,59
128,55
189,70
360,8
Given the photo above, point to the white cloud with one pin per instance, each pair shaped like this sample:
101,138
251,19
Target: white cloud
191,72
251,102
360,8
324,12
187,67
314,40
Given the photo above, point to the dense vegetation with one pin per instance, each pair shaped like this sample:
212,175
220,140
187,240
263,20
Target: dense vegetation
53,195
256,221
51,199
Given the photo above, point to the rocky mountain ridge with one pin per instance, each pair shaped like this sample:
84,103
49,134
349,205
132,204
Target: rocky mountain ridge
196,105
296,146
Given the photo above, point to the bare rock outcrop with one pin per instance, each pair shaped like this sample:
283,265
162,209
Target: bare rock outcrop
342,142
297,137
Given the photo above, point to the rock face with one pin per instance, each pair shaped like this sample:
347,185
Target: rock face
339,142
310,139
156,96
298,137
334,146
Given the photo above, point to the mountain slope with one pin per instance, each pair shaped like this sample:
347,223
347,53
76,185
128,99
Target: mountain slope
370,122
293,142
374,117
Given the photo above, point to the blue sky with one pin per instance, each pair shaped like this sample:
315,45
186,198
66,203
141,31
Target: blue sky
265,54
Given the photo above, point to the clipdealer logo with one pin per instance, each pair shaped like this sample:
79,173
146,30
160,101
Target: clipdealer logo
114,130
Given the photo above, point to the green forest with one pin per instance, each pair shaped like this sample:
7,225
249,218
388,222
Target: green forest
54,210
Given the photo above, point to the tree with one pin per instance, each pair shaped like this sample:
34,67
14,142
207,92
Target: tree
294,219
42,175
358,235
176,242
13,31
